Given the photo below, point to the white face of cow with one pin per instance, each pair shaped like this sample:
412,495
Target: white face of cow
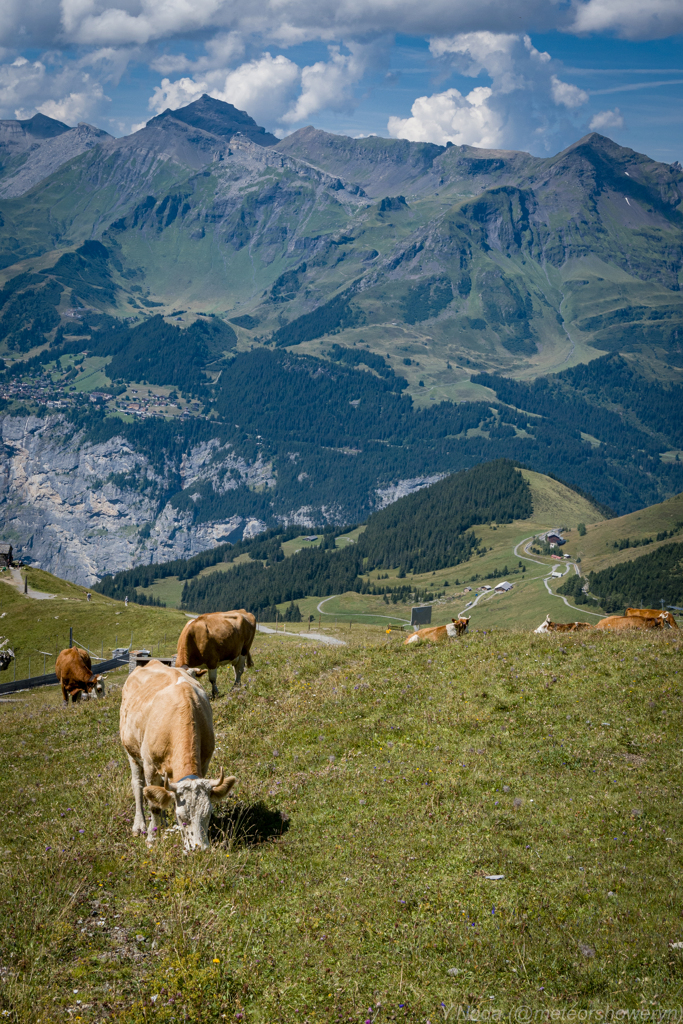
99,685
194,800
193,807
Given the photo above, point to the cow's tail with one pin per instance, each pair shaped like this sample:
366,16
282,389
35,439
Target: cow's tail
250,661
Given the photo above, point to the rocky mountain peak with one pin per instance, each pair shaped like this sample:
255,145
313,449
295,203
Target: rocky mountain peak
218,118
42,127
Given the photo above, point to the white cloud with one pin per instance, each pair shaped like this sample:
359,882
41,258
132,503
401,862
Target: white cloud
630,19
523,105
68,90
566,94
265,88
606,119
272,89
76,106
450,117
42,23
326,85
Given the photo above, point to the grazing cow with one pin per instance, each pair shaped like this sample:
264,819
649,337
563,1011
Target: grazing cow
166,729
217,638
652,613
628,622
74,672
434,634
561,627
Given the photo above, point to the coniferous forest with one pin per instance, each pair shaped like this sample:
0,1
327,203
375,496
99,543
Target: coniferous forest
643,582
422,532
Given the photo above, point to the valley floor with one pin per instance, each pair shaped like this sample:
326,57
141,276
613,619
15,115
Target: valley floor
386,786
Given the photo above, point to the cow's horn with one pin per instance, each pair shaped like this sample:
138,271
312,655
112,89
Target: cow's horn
222,786
170,786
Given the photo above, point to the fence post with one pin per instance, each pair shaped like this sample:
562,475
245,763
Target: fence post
71,636
29,666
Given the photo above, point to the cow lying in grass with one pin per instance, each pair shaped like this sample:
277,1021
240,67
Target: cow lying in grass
547,626
629,622
166,728
74,671
652,613
217,638
435,634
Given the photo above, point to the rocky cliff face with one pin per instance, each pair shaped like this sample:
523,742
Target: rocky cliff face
60,507
81,510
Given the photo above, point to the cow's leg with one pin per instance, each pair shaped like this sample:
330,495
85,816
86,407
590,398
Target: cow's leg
137,781
239,666
65,694
156,815
213,676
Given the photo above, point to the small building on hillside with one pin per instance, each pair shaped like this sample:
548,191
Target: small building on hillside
503,587
555,538
5,555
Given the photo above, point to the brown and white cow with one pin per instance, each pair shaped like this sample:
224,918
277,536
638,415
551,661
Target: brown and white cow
166,728
652,613
435,634
629,622
74,671
547,626
217,638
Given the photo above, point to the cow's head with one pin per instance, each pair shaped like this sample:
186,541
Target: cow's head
669,619
194,800
96,686
545,626
196,673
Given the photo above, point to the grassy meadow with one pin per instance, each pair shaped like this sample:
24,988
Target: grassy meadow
39,630
378,786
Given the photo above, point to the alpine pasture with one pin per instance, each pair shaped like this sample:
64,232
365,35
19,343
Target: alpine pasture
378,786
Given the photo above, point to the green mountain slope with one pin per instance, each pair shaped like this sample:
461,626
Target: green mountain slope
488,259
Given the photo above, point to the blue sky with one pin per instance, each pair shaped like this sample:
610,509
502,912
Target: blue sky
534,75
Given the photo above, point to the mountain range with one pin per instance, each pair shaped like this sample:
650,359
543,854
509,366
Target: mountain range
325,300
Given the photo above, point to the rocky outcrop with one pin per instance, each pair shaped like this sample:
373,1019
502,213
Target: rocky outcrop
62,507
387,495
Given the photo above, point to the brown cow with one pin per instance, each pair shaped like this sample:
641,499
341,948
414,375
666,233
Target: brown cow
217,638
434,634
652,613
628,622
74,672
166,728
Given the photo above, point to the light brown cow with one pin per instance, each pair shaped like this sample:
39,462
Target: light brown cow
628,622
652,613
217,638
435,634
166,728
74,671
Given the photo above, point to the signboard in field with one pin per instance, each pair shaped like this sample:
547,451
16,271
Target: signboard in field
421,615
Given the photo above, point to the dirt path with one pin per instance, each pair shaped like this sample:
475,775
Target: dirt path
13,579
331,641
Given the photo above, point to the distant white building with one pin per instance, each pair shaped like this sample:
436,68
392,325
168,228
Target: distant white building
503,587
